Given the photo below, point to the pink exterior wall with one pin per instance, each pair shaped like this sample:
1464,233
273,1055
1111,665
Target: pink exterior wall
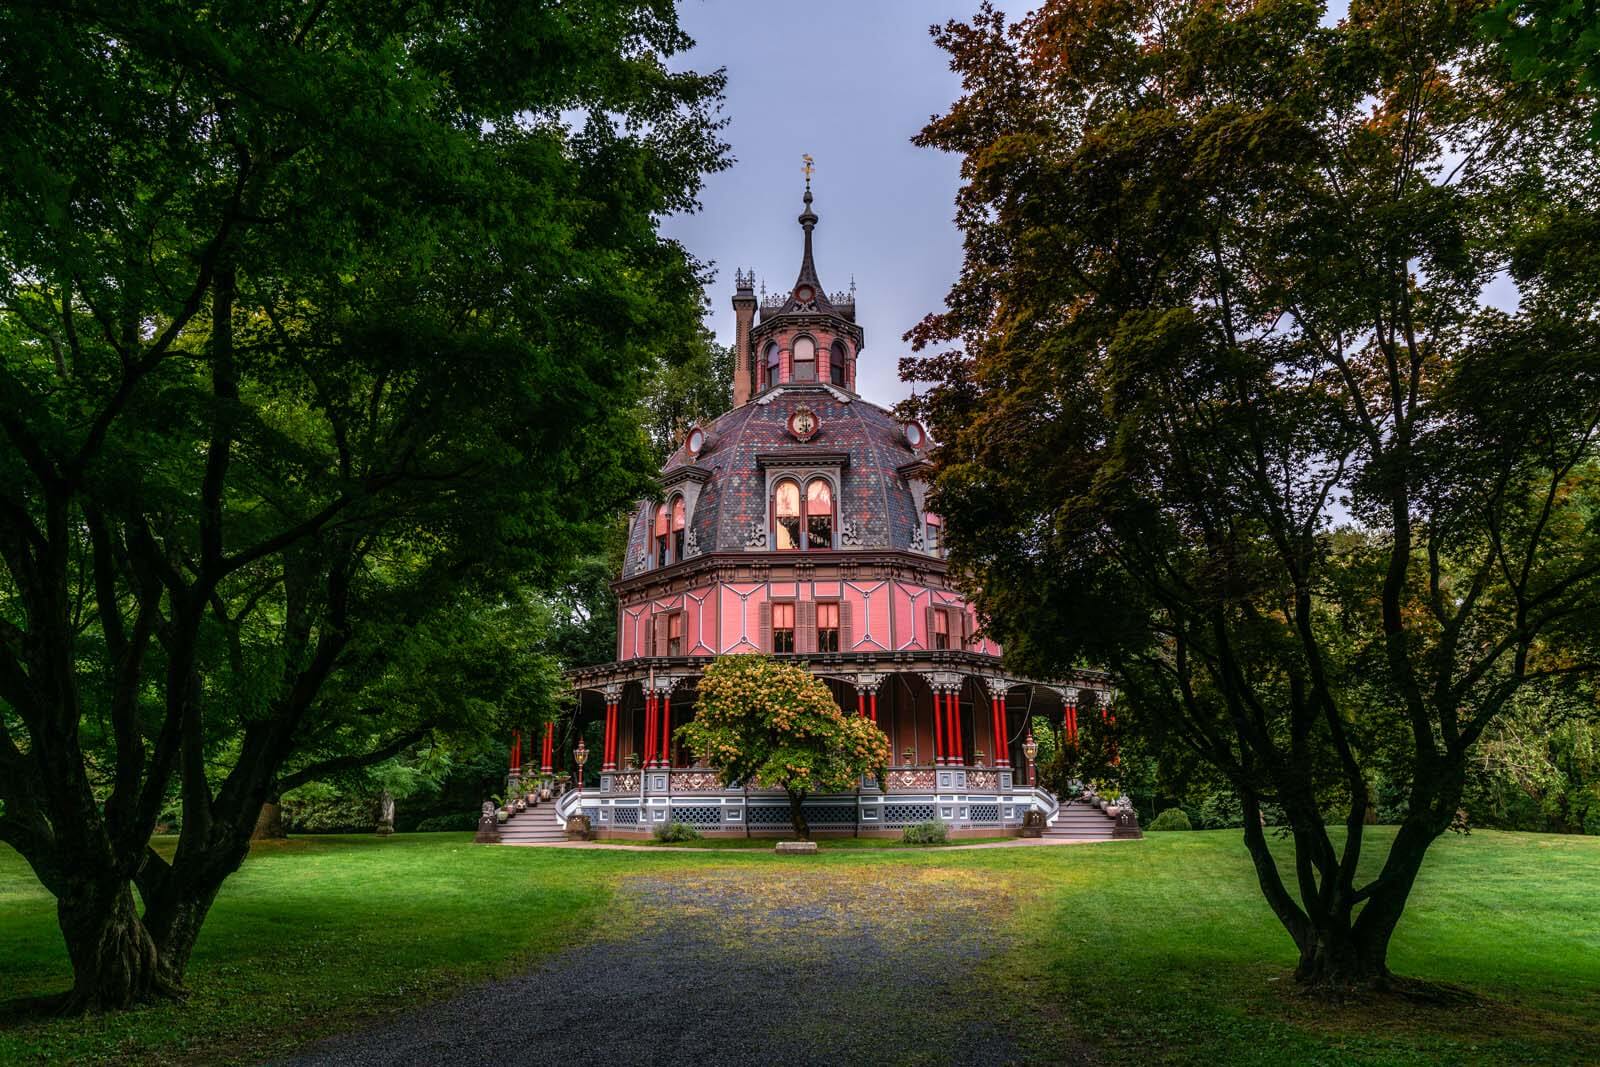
724,617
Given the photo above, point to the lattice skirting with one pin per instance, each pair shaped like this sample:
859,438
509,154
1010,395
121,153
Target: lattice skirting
705,815
908,814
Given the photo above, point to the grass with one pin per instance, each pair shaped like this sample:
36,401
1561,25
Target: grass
824,844
1160,951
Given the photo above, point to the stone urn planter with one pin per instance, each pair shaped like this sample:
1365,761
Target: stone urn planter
579,828
522,805
1033,824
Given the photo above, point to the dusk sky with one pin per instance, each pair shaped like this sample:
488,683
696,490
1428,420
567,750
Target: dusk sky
849,83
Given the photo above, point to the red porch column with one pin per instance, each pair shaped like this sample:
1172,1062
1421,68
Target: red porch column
606,763
958,747
861,703
664,736
938,726
872,703
649,753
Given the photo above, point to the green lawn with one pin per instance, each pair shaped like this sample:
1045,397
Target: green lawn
1160,950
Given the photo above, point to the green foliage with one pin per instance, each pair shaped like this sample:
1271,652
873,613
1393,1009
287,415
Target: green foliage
324,337
689,388
465,820
932,832
1224,281
675,831
1171,819
1555,43
776,724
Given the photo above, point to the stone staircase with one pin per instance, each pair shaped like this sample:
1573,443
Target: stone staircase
1077,821
535,826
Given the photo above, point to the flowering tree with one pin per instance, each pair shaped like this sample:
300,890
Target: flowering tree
758,720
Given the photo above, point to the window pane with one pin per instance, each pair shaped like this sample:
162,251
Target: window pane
819,514
677,514
805,360
827,616
786,510
783,627
772,363
838,362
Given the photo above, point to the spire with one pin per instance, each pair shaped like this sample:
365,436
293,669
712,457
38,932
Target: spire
807,294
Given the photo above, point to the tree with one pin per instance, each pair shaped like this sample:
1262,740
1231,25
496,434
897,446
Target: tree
314,321
689,387
1553,42
1221,288
758,721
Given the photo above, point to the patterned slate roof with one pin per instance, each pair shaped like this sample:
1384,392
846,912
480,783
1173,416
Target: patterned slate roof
874,498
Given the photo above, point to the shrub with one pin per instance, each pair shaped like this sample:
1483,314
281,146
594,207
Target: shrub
463,820
676,831
1171,819
932,832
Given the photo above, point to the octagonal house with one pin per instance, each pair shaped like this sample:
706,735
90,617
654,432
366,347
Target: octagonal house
796,525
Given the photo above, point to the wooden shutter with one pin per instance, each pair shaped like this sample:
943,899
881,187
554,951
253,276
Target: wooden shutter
660,621
966,628
805,625
927,622
765,614
847,632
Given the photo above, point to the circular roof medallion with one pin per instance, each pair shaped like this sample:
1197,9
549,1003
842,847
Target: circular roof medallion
916,436
804,293
804,424
695,441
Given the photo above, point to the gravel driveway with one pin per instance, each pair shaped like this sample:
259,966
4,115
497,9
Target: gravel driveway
771,965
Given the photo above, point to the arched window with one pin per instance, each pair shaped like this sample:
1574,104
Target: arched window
836,363
663,546
786,515
819,514
805,359
772,364
677,528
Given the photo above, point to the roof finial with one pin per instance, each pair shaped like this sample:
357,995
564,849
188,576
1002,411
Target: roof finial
808,168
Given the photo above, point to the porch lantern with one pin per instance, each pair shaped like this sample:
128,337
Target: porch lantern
1030,749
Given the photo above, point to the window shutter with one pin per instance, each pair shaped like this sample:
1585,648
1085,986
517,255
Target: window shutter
765,615
966,628
927,622
661,634
805,624
847,630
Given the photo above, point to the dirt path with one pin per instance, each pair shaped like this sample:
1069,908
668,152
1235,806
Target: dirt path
813,965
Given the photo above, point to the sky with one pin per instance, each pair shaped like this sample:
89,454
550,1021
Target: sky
849,83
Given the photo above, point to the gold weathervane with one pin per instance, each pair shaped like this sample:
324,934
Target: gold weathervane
808,168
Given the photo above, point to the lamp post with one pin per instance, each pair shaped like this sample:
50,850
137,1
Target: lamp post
580,755
1030,749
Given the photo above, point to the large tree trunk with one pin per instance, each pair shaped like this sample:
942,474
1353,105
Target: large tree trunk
174,920
114,959
269,824
797,815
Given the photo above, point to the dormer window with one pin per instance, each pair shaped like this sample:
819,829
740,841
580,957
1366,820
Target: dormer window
836,363
935,541
677,528
773,363
802,521
805,359
663,546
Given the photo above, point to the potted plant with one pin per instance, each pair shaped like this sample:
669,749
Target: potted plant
977,757
633,761
909,757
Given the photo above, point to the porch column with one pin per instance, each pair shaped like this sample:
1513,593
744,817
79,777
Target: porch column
1072,721
1003,742
664,738
861,703
649,754
872,703
938,726
608,756
548,763
958,747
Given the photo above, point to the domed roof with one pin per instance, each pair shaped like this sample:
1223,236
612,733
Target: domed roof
863,442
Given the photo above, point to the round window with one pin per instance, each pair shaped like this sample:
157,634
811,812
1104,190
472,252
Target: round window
916,436
696,441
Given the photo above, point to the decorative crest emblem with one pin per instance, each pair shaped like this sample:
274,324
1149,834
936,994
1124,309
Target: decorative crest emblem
803,424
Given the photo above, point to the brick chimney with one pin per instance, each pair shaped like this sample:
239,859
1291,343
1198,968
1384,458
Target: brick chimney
744,308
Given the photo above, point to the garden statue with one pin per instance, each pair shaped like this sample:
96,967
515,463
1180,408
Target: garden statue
385,814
